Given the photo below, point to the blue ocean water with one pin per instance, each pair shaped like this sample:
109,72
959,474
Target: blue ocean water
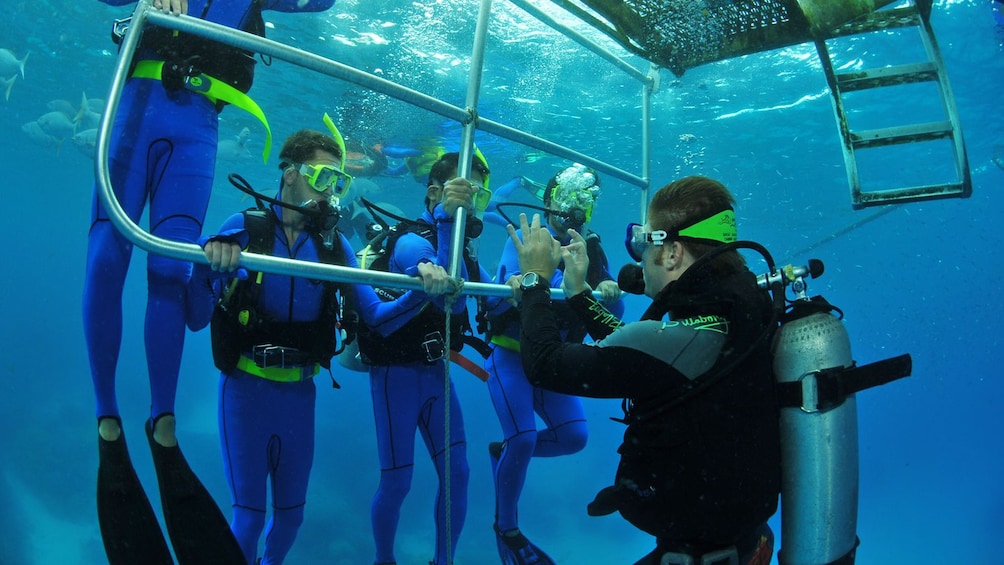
923,278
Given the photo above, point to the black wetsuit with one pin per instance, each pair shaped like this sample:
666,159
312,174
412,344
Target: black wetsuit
698,470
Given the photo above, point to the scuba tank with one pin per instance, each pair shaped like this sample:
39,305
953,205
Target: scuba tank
816,381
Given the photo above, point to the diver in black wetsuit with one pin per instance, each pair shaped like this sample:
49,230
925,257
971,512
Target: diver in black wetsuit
700,461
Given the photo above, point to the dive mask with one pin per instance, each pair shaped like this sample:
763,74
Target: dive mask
716,229
576,187
323,177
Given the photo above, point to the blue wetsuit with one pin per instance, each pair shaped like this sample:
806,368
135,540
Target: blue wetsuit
163,151
516,400
410,396
267,427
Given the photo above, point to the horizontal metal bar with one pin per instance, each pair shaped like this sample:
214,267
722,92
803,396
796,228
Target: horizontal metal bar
862,199
879,20
887,76
901,134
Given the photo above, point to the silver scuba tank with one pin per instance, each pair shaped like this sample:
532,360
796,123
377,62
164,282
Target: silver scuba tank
819,446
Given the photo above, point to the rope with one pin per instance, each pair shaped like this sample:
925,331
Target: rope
450,299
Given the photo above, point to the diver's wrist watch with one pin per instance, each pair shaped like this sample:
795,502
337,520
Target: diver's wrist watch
529,281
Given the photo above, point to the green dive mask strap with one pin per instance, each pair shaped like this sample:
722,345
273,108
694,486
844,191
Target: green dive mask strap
338,138
480,155
720,228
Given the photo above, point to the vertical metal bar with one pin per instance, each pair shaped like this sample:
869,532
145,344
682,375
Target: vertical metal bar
647,89
947,101
467,136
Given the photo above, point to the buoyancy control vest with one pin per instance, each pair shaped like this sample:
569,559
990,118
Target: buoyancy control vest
237,324
714,453
230,64
421,339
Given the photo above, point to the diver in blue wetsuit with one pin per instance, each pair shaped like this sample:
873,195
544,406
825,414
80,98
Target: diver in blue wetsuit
267,390
408,368
570,195
163,151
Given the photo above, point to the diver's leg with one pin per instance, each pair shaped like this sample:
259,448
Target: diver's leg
129,527
432,424
291,456
244,425
512,397
395,411
180,176
565,418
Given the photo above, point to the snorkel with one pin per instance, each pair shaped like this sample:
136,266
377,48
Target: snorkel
329,211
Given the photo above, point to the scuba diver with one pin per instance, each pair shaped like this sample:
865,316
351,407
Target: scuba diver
162,151
273,333
408,369
569,200
700,461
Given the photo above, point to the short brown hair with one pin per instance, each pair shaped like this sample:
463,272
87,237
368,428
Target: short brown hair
301,146
687,201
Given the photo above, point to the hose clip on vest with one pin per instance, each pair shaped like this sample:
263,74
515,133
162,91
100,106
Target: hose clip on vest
434,347
119,29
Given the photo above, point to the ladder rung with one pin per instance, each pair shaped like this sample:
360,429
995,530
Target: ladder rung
880,20
901,134
887,76
909,194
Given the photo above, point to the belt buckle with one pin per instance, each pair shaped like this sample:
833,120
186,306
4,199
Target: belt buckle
434,347
266,354
727,556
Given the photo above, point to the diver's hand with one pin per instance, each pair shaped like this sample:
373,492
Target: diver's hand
538,251
223,255
176,7
517,290
576,265
610,291
457,193
435,279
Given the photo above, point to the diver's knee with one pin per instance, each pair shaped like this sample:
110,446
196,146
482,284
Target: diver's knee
167,272
395,483
574,437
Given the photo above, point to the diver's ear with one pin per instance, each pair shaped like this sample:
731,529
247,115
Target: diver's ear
289,175
434,193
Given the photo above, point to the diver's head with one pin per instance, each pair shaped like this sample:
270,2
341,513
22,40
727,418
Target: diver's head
312,178
570,197
686,219
446,168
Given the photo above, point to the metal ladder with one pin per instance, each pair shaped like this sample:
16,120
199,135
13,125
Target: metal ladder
933,70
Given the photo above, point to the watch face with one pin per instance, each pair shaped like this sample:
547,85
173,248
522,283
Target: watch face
529,280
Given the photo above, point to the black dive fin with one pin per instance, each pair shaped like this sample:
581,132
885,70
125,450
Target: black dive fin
517,550
129,527
199,532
